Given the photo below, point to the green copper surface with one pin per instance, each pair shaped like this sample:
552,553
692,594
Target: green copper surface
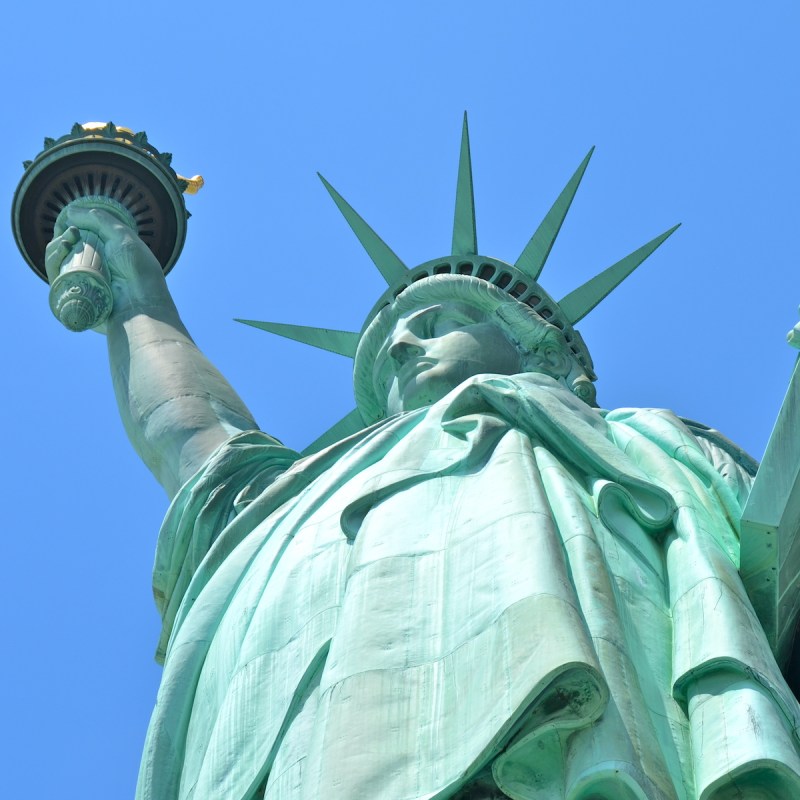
465,237
388,264
578,303
342,342
770,558
518,280
96,159
477,584
532,259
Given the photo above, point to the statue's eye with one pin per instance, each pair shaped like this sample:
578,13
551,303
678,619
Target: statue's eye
425,325
448,324
430,326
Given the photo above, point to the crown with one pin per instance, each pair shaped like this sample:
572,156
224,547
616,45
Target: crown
519,281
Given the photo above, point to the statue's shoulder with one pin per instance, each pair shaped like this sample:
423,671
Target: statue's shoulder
741,457
654,421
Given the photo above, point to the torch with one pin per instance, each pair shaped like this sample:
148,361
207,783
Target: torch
98,165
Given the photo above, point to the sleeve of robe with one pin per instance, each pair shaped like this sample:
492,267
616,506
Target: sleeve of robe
236,473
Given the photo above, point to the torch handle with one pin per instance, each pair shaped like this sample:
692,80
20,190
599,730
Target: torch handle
80,297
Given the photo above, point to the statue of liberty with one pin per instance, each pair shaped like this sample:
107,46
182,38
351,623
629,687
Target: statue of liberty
479,584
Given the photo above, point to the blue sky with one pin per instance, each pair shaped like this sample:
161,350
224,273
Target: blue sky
692,107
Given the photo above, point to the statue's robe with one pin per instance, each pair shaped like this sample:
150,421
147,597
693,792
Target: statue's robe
507,579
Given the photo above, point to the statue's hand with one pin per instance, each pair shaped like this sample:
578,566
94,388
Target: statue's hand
58,250
136,275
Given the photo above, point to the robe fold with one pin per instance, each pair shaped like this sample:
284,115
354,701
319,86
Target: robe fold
505,580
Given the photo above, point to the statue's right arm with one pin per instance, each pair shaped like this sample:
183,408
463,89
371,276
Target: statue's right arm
177,408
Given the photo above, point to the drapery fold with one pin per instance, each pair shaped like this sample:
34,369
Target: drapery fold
506,578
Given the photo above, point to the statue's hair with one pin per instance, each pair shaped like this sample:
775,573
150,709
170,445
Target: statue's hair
525,329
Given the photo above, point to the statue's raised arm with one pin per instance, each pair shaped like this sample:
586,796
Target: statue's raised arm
177,408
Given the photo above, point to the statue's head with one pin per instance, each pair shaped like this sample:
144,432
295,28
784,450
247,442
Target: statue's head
464,314
444,329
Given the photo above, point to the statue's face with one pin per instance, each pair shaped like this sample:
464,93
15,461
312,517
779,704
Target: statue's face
434,349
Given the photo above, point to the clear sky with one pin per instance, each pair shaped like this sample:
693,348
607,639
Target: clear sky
693,108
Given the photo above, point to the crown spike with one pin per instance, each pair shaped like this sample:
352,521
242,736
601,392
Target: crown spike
578,303
465,237
384,258
533,257
349,424
342,342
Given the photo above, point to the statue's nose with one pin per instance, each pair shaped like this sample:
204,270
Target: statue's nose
405,347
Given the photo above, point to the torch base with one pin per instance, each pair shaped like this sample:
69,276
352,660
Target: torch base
81,299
